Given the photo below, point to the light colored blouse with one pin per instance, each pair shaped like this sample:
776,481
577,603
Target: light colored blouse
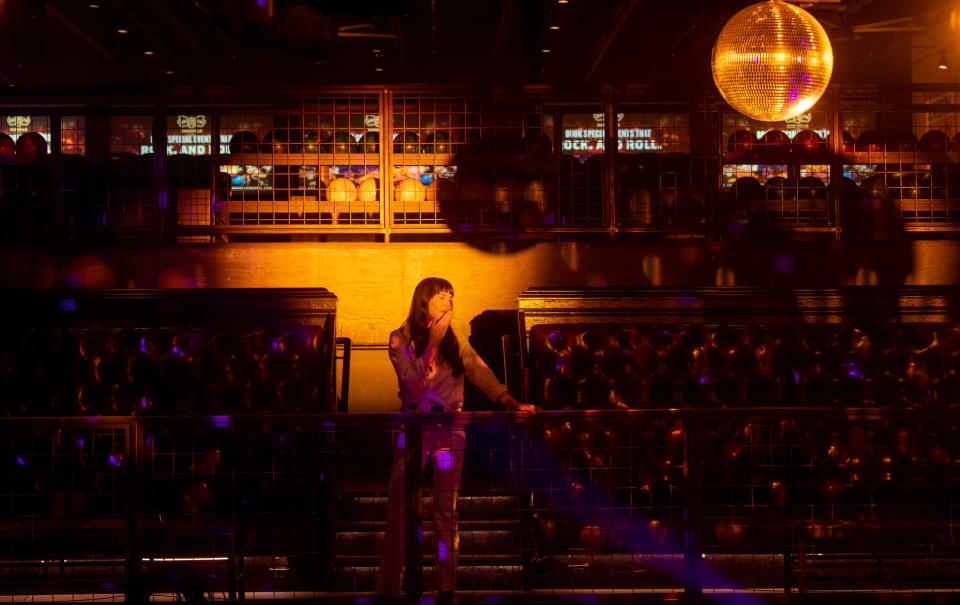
443,391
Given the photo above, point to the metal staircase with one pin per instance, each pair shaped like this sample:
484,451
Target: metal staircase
490,540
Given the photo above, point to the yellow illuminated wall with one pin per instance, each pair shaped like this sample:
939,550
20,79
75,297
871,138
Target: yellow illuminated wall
374,281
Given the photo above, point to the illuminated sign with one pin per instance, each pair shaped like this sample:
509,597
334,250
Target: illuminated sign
190,144
191,139
591,140
792,132
799,122
796,124
191,122
18,124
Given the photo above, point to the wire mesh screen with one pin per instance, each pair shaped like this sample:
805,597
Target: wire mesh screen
472,161
465,160
897,146
762,500
315,163
26,188
778,174
64,505
777,194
230,489
429,131
607,504
668,191
830,495
866,502
190,145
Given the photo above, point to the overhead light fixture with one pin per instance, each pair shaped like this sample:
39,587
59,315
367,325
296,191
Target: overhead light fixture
554,27
149,53
377,69
123,31
943,60
93,5
169,72
563,1
546,50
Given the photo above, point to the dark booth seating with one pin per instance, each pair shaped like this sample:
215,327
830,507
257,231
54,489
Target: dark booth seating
814,430
146,430
167,352
613,349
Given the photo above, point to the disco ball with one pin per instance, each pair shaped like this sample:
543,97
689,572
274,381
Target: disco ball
772,61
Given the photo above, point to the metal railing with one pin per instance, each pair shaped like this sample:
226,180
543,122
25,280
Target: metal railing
687,500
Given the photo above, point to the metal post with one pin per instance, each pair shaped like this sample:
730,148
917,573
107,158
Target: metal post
343,404
836,164
134,564
611,142
693,512
161,188
413,445
386,159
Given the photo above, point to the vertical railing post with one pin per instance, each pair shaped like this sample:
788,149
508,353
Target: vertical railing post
413,446
836,208
611,140
693,511
522,458
134,562
332,435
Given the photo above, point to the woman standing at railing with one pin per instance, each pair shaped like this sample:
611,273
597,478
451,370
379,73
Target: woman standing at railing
431,364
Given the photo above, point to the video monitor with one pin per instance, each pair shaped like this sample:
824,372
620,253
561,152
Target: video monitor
249,178
424,174
353,173
307,177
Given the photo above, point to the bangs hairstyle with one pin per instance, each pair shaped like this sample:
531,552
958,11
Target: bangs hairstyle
418,324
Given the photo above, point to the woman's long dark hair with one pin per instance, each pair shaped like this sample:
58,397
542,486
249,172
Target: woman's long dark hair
418,323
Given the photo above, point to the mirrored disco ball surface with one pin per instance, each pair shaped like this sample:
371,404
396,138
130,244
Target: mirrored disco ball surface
772,61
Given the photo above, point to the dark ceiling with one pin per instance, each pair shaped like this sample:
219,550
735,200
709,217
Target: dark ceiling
324,42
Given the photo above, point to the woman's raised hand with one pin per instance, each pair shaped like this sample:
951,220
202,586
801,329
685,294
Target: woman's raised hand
439,327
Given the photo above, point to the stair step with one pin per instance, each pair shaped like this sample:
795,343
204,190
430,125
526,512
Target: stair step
468,525
583,571
469,577
476,560
607,571
471,542
369,507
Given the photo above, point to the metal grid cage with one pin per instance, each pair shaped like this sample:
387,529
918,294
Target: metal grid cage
480,161
762,500
64,504
317,163
463,160
898,152
778,174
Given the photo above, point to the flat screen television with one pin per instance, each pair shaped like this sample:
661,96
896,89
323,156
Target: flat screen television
307,177
424,174
249,178
353,173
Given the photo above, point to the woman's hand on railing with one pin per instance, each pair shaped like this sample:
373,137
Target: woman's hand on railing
508,401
